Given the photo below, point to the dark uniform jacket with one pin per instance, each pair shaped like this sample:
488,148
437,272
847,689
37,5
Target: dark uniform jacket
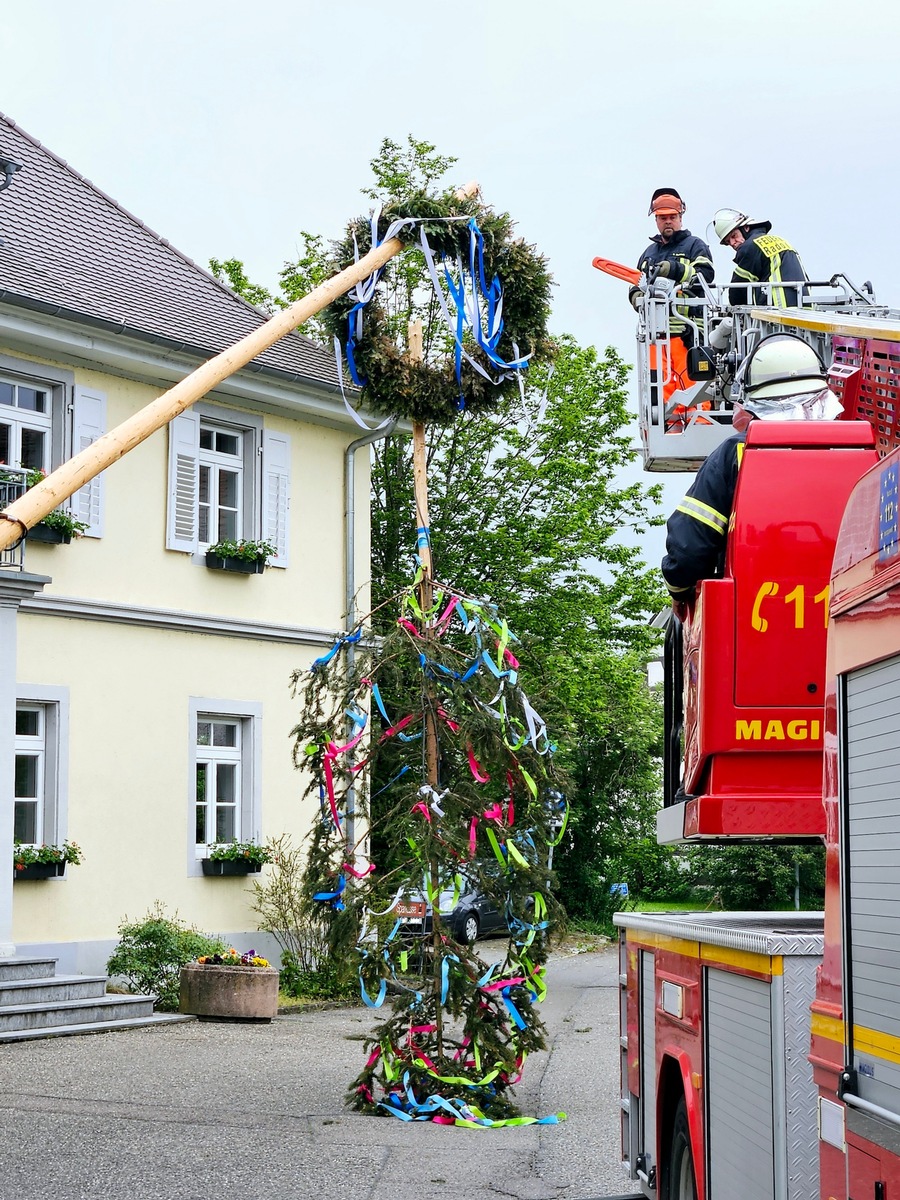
696,530
689,252
765,258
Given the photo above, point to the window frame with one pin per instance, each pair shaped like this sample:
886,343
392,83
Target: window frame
59,384
183,474
216,461
248,715
54,793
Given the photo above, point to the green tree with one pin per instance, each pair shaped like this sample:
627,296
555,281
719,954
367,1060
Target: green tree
749,878
527,509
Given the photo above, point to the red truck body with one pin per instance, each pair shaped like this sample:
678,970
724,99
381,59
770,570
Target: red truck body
774,1039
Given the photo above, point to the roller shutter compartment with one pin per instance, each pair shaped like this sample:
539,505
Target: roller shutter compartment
739,1082
871,815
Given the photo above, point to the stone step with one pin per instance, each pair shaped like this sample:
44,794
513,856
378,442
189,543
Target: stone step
73,1030
20,967
68,1012
50,990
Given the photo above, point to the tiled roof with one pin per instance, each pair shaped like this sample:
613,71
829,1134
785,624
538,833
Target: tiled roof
68,248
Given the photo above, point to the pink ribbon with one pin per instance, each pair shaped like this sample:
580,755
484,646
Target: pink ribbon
359,874
474,767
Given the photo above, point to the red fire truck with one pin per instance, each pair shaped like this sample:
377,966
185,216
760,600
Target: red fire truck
761,1051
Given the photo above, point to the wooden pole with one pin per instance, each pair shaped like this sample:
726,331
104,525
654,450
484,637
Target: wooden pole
426,598
78,470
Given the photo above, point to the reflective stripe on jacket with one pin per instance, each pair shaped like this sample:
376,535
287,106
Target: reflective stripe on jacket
766,258
691,254
697,529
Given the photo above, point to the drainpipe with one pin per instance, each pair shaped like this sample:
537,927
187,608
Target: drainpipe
376,435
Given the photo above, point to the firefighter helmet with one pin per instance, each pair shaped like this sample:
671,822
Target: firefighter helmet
783,379
727,220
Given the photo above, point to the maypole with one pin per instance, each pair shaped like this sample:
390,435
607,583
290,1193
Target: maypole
461,758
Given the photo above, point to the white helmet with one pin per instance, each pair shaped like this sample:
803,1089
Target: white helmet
727,220
783,379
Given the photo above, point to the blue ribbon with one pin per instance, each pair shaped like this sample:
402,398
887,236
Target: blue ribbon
513,1011
366,998
335,897
343,640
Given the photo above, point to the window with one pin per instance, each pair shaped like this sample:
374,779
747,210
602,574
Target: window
221,484
224,773
31,757
25,425
218,781
229,478
45,419
40,778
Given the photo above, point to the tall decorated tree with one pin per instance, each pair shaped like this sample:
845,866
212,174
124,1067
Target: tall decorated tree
431,715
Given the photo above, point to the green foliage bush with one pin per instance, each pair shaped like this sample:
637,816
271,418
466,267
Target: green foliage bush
152,951
750,878
282,903
322,983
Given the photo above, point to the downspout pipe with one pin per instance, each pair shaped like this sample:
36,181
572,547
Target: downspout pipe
375,435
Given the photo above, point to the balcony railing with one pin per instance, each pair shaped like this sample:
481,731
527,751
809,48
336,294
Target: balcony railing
12,486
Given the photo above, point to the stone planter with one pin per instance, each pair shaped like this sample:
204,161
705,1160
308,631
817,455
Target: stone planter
220,993
229,866
40,871
240,566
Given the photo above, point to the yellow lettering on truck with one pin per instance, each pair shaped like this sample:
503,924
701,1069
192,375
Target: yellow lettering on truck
748,731
798,730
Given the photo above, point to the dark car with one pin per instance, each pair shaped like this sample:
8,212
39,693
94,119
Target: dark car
473,915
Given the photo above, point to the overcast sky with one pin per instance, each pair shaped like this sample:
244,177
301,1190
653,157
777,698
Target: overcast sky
228,127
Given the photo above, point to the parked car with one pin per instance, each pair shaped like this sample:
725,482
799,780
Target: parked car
474,914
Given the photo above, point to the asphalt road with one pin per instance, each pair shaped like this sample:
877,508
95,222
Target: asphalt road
240,1112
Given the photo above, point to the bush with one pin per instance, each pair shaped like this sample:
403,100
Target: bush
323,983
152,951
751,878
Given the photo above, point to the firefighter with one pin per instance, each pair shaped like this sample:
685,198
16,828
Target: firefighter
783,379
677,255
759,257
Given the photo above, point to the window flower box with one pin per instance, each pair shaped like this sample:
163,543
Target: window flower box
50,534
244,558
229,866
40,871
235,858
240,566
43,862
59,526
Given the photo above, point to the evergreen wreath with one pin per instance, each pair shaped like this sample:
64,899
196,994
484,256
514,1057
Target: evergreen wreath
435,390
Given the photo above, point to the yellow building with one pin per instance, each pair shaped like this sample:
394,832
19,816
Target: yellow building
152,695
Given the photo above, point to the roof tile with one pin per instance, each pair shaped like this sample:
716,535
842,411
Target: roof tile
68,245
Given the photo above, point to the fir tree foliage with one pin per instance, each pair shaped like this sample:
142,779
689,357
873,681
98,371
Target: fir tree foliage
460,1028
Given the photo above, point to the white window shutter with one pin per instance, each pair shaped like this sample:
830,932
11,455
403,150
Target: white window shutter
88,423
184,482
276,498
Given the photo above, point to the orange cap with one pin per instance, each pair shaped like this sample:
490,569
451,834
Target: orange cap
667,203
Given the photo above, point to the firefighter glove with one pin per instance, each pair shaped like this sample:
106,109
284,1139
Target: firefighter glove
662,270
635,297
